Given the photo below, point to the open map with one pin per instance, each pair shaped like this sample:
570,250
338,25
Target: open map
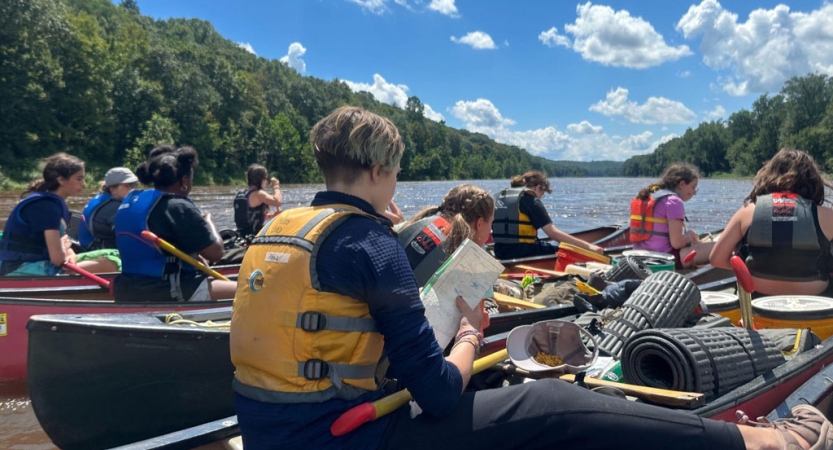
470,272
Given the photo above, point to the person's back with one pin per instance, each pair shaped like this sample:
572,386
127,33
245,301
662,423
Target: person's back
248,220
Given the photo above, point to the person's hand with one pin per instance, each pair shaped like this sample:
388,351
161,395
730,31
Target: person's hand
596,249
274,183
692,236
476,318
207,217
72,258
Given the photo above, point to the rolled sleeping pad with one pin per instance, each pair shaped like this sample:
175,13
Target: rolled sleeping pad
664,300
712,361
627,268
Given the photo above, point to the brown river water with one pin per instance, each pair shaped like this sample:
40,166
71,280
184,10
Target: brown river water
575,204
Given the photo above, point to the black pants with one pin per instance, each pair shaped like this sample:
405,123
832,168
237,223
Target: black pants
552,414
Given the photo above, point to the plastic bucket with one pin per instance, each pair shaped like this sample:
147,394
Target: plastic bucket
570,254
723,303
656,261
795,311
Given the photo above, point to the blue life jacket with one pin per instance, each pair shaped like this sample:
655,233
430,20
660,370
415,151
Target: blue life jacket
139,256
19,242
87,232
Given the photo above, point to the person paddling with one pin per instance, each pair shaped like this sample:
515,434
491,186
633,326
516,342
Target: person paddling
328,291
519,214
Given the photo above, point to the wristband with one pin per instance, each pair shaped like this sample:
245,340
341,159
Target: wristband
475,346
474,333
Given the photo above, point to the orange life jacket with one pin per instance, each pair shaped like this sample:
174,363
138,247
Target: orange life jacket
642,217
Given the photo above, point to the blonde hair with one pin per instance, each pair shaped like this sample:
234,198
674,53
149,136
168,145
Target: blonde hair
531,179
790,170
351,140
670,179
462,205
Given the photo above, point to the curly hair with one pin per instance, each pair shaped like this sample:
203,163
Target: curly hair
462,205
790,170
531,179
166,165
670,179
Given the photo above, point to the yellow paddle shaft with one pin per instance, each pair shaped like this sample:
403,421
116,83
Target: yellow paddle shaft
165,245
394,401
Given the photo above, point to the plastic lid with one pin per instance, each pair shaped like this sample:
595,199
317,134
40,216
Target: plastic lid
794,307
649,254
587,253
718,300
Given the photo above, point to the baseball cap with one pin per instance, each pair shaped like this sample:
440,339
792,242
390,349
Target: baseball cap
119,175
554,337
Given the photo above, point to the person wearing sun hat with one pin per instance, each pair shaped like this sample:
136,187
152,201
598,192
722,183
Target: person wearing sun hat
96,232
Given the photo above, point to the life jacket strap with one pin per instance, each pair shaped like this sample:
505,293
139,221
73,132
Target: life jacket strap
313,321
647,219
316,369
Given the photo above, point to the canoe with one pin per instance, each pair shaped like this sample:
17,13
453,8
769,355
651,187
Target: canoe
98,381
807,377
16,311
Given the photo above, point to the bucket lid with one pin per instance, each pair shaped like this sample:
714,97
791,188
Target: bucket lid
562,246
794,307
643,254
719,301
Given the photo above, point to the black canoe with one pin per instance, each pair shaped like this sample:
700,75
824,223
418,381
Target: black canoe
98,381
807,376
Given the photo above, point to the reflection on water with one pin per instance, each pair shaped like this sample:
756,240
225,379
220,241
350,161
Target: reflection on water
575,204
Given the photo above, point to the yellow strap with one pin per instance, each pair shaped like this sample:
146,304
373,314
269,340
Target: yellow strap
795,344
648,219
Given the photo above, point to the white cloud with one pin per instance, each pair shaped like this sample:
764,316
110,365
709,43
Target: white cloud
477,40
772,46
684,74
614,38
482,116
551,38
392,94
246,46
654,110
584,127
293,57
372,6
717,113
444,7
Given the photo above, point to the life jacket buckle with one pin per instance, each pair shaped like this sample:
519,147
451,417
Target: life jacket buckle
316,369
313,321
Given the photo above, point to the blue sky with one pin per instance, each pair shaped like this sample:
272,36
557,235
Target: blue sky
565,80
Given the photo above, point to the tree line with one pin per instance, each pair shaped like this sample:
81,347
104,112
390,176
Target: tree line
799,116
106,83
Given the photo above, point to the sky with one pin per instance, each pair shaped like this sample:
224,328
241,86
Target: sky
564,80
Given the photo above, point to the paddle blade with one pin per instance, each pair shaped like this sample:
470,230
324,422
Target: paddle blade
690,257
742,274
353,418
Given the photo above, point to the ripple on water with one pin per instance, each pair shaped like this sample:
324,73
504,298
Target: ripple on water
19,428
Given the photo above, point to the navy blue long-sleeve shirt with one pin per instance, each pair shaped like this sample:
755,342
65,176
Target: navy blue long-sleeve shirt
363,260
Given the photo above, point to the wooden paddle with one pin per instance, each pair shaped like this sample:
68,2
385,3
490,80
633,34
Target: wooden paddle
505,300
87,274
165,245
745,289
678,399
366,412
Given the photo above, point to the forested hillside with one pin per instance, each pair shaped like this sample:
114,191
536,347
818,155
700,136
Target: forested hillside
105,83
799,116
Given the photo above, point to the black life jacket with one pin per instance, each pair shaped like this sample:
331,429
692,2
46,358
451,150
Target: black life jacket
248,220
784,241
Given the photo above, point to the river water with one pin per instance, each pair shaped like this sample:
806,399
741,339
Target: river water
575,204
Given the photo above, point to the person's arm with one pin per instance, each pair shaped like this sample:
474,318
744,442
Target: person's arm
55,245
733,233
677,237
394,214
560,236
276,200
214,251
182,224
463,353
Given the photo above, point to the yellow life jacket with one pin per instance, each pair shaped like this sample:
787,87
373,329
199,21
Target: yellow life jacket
510,225
290,341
